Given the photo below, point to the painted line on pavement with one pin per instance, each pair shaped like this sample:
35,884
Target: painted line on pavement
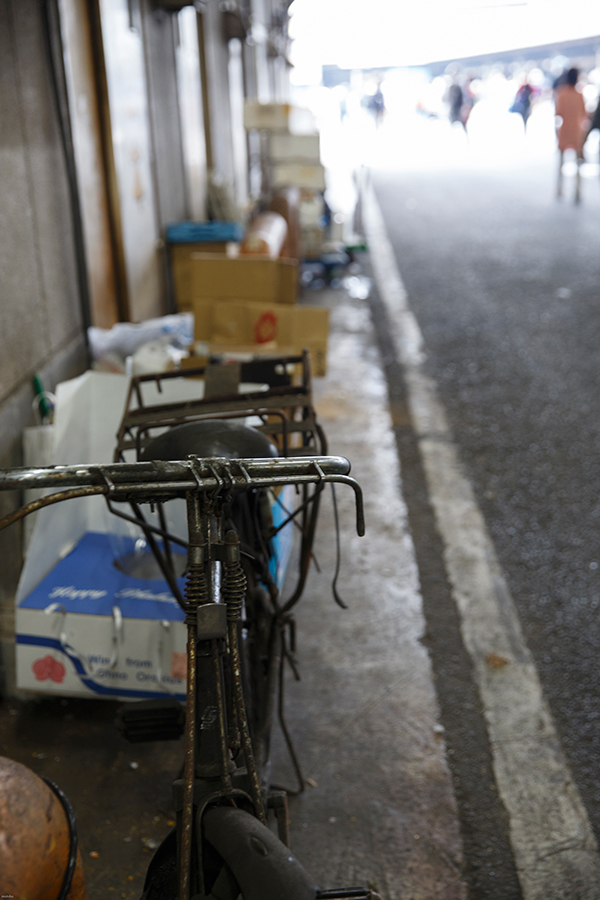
554,847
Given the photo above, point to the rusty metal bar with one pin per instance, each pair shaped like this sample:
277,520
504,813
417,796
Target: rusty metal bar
187,813
193,472
286,425
234,652
195,594
175,413
151,481
48,501
225,776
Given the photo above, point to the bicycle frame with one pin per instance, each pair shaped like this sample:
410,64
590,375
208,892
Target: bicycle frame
284,411
216,723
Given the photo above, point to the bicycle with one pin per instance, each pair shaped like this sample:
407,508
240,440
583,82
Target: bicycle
221,845
275,394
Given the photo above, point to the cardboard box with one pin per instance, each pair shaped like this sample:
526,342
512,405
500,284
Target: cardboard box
302,148
213,277
300,175
244,324
180,259
278,117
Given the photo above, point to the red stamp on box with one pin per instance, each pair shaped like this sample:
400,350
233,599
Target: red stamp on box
266,328
48,668
179,665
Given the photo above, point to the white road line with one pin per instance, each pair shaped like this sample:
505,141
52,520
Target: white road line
552,840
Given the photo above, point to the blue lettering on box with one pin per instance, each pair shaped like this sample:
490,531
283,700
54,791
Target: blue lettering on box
87,581
99,660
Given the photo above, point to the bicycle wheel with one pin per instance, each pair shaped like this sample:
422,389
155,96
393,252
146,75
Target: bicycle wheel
247,861
162,882
262,867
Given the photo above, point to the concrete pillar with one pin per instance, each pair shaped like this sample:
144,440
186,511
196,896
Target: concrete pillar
163,107
215,51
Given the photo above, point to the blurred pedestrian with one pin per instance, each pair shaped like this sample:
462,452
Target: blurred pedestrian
558,82
377,105
469,100
460,102
595,122
522,102
455,103
572,130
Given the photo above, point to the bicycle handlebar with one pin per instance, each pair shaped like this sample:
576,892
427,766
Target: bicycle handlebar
159,480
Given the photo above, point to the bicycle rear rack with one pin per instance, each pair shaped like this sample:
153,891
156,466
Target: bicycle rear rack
285,409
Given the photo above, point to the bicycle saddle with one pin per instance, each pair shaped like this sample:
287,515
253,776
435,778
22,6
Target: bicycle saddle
210,438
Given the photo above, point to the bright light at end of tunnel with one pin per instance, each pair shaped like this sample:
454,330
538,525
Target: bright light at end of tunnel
387,33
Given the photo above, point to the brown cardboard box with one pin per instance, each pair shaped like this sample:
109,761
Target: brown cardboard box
245,323
217,277
180,257
266,280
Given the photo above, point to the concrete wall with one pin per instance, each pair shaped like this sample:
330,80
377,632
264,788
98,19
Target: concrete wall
41,322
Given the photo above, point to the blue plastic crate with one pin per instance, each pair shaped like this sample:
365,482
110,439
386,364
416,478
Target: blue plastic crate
203,232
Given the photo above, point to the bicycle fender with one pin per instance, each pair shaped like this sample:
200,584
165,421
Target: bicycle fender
263,867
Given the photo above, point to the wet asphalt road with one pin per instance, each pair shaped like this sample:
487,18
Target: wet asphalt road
505,283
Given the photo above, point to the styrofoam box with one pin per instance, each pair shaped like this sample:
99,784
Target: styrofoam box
88,629
278,117
310,178
303,148
83,627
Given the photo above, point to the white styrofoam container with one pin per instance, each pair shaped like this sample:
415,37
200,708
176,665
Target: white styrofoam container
278,117
297,148
83,627
73,655
88,629
306,177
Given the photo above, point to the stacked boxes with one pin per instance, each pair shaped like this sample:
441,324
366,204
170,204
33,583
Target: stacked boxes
249,304
293,160
293,152
296,161
277,117
184,239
